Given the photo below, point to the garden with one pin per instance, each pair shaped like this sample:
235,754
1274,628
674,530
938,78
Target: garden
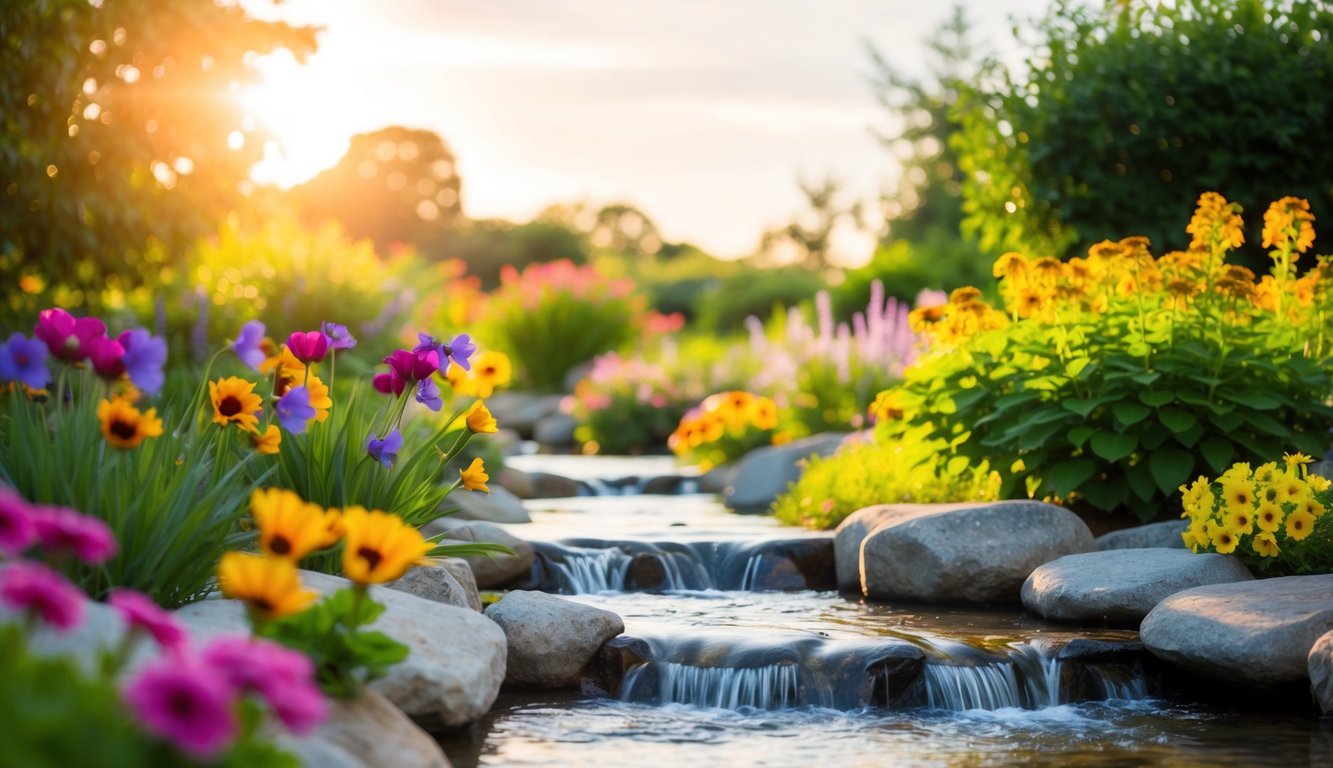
339,475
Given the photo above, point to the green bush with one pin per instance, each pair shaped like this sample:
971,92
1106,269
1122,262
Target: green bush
939,263
724,308
488,246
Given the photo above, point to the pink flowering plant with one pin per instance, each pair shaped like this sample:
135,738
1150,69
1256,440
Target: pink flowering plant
627,405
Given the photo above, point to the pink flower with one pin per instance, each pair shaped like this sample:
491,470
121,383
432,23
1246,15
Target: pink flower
142,614
68,338
308,346
186,703
283,677
389,383
17,531
66,531
413,365
35,588
107,356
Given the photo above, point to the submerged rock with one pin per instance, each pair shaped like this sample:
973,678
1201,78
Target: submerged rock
965,553
1165,535
1258,633
490,571
604,675
365,732
550,639
764,473
1122,585
1320,666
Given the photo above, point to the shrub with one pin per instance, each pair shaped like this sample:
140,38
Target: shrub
725,427
726,305
629,405
1109,381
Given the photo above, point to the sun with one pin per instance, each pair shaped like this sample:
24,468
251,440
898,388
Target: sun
306,113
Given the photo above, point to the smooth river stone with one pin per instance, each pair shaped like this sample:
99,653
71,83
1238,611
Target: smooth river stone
1122,585
764,473
1255,632
365,732
1166,535
1320,667
550,639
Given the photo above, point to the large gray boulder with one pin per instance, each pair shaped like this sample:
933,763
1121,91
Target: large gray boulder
1165,534
1320,667
847,540
520,411
550,639
365,732
437,584
1122,585
490,571
764,473
456,661
555,430
462,573
498,506
978,553
1256,633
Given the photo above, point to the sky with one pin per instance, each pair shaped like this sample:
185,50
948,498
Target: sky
703,113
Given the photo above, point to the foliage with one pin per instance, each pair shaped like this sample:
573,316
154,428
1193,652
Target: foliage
551,317
487,246
758,292
1274,519
868,472
120,135
1108,381
725,427
1118,114
628,405
937,263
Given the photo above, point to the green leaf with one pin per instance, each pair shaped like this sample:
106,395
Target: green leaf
1217,452
1140,481
1170,467
1079,435
1157,399
1177,420
1067,476
1104,496
1113,446
1148,378
1129,414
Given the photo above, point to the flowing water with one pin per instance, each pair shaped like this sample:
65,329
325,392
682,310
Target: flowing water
745,655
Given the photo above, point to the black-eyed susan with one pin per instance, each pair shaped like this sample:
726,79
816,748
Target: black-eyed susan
479,419
1291,489
379,546
1265,545
1300,524
289,526
235,402
1311,507
491,369
269,586
1237,494
1268,516
125,426
269,441
764,413
474,477
1224,540
1240,520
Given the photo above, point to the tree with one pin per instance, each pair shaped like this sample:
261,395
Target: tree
392,185
810,233
487,245
122,139
1123,115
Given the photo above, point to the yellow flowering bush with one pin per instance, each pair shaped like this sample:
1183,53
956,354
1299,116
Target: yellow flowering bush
1273,518
724,427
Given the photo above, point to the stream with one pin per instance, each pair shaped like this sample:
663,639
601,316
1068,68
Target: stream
747,655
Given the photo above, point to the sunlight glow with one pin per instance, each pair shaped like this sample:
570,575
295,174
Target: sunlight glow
308,118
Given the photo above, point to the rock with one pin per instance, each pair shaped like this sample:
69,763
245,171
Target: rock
437,584
365,732
847,540
555,430
1122,585
647,572
1254,633
1319,664
550,639
520,411
516,481
966,553
462,573
764,473
101,630
548,486
790,564
716,480
1166,535
490,572
604,674
663,485
498,506
452,674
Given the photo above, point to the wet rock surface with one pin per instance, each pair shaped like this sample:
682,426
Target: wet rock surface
550,639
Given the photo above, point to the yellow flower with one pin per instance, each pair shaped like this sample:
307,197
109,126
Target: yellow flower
270,586
1240,521
491,369
268,442
480,420
1291,489
1237,471
124,426
319,398
765,413
380,546
289,526
474,477
333,528
285,363
1297,459
1268,516
1194,536
1311,507
1266,472
235,402
1011,265
1237,494
1289,219
1299,524
1318,483
1265,545
1224,540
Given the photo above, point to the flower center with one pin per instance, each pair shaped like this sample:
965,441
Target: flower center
371,556
280,545
123,429
263,604
230,406
181,704
21,359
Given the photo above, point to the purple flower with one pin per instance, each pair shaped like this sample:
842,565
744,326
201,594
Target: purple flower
339,336
24,360
414,365
428,394
309,346
389,383
385,451
294,410
35,588
247,346
107,356
67,338
188,704
17,531
458,350
283,677
145,356
64,531
143,615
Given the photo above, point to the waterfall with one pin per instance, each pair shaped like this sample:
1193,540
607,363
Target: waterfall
986,686
591,571
773,686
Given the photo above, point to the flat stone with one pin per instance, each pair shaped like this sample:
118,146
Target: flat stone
978,553
550,639
1122,585
1256,633
437,584
1165,534
556,430
764,473
498,506
365,732
490,572
516,481
1319,664
548,486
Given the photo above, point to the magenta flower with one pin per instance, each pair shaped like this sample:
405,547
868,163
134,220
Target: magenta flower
143,615
248,346
308,346
36,589
188,704
17,531
428,394
107,356
145,357
24,360
413,365
389,383
283,677
65,531
294,410
385,451
68,338
339,337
